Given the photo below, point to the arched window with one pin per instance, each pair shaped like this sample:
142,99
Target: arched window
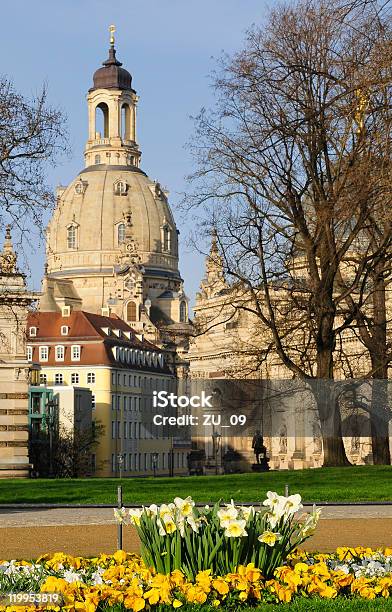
166,238
97,159
102,121
125,122
72,237
183,312
121,233
131,311
120,188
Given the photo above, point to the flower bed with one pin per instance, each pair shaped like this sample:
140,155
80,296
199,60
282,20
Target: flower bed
180,536
222,556
123,581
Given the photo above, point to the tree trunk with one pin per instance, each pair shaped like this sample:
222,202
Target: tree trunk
324,386
380,412
330,423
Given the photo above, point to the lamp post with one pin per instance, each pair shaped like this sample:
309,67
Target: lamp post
120,461
154,460
51,405
216,439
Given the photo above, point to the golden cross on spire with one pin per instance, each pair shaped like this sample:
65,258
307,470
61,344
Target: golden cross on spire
112,30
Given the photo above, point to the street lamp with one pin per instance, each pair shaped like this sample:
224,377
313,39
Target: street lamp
51,405
154,460
216,439
120,461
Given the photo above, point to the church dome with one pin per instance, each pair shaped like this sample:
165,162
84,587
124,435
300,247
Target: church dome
88,225
111,75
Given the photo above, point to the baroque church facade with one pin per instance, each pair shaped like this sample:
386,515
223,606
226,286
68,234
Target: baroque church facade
112,243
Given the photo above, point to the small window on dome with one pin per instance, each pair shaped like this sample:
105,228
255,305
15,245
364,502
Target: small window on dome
166,238
72,237
80,187
97,159
120,188
121,233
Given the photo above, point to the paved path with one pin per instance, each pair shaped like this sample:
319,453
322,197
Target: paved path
89,531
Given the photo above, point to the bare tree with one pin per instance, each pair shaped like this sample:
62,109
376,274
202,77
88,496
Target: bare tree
32,136
296,170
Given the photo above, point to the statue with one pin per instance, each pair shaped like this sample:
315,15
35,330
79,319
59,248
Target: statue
8,255
283,440
260,451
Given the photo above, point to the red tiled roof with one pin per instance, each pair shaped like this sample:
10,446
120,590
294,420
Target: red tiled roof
85,329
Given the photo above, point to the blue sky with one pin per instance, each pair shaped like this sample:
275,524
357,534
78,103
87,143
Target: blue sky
169,47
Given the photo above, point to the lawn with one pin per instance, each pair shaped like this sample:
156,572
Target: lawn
350,484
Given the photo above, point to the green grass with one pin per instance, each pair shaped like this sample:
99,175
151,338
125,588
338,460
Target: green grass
357,483
299,605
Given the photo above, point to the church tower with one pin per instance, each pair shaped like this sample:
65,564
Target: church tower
112,244
112,115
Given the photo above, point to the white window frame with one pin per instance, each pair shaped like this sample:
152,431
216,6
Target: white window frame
64,330
75,375
73,348
92,401
91,378
29,353
57,377
33,332
43,379
42,350
58,347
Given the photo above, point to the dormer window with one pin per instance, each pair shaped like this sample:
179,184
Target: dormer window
43,353
72,236
66,311
75,353
32,332
120,188
80,187
60,351
64,330
166,238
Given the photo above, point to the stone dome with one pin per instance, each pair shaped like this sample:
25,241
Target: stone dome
95,204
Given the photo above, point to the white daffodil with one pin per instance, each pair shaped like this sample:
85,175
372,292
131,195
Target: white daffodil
273,500
310,523
167,525
227,514
151,510
247,511
120,514
166,509
135,515
185,506
270,538
193,523
235,529
292,504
